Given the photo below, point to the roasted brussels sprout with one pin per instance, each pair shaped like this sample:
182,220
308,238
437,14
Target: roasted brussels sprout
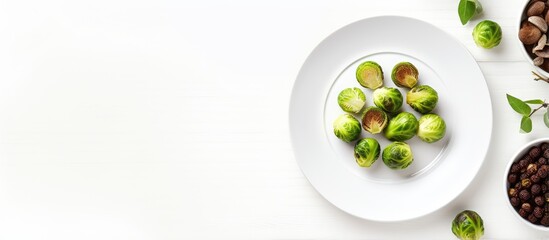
369,75
468,225
388,99
487,34
397,155
374,120
422,98
367,152
347,128
431,128
402,127
351,100
405,74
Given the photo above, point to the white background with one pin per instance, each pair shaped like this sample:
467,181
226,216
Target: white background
169,120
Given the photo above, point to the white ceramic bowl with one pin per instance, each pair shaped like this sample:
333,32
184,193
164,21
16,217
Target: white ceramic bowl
525,53
516,157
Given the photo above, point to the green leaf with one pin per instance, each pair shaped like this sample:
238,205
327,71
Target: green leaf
467,9
526,124
519,106
535,101
546,118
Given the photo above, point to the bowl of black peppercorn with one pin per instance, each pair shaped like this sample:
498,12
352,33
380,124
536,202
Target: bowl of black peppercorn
526,184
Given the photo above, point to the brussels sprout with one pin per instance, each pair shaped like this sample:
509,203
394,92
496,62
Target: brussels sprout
487,34
367,152
431,128
374,120
468,225
405,74
351,100
388,99
422,98
369,75
402,127
347,128
397,155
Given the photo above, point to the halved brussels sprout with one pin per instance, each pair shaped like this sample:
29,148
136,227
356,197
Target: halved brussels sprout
431,128
351,100
402,127
367,152
347,128
387,98
468,225
422,98
374,120
397,155
369,75
405,74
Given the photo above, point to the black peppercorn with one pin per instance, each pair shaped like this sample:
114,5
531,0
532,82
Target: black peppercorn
518,186
524,195
535,178
543,188
515,202
515,168
523,176
523,163
522,213
536,189
543,171
546,153
542,161
526,183
538,212
532,218
534,152
531,169
539,201
513,192
545,220
512,178
544,146
527,207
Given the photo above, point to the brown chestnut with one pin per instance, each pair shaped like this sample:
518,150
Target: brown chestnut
529,34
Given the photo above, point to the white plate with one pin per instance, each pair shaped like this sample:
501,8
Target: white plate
440,171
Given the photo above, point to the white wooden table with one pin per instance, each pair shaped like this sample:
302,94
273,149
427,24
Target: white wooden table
169,120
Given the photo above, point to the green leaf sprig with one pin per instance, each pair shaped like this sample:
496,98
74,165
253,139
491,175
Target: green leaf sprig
467,9
526,111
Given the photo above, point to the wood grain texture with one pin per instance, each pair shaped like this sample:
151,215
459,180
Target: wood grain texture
169,120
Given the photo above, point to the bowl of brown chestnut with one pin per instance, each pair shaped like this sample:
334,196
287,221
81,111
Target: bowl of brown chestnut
526,184
532,34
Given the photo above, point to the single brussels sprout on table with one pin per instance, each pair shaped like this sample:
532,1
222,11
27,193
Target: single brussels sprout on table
397,155
387,98
431,128
422,98
374,120
405,74
468,225
369,75
351,100
347,128
367,152
402,127
487,34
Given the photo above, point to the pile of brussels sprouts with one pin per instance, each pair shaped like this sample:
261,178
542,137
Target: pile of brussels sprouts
386,116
